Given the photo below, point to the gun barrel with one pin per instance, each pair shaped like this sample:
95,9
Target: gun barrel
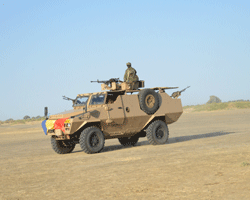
95,81
107,81
178,93
185,89
67,98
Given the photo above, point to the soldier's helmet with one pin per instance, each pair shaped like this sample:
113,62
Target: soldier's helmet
128,64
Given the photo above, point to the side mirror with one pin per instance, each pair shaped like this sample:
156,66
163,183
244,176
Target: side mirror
46,112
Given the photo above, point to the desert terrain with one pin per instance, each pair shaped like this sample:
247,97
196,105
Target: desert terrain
207,157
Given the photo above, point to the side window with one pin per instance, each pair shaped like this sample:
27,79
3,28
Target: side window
111,98
97,99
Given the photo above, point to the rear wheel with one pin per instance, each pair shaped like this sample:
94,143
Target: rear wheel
128,141
157,132
92,140
62,146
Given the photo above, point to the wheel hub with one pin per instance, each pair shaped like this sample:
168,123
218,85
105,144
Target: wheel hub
159,133
94,140
150,101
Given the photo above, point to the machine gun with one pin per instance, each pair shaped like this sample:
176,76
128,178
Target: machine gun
69,99
175,95
116,84
108,82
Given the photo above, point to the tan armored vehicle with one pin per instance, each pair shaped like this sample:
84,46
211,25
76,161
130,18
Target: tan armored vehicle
122,110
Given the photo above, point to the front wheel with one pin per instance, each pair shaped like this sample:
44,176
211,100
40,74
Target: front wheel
128,141
62,146
157,132
92,140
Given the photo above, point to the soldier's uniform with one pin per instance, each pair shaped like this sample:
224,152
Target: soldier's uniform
130,74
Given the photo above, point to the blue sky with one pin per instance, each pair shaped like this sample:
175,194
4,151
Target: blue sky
53,48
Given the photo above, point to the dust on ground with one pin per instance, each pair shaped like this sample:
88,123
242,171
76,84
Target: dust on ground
207,157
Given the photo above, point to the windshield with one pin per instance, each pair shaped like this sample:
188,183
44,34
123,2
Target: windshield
81,101
97,99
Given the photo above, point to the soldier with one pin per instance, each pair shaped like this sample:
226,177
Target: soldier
130,74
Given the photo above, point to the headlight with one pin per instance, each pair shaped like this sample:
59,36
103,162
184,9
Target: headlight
67,125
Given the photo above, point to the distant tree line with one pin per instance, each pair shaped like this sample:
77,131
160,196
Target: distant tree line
238,100
215,99
26,117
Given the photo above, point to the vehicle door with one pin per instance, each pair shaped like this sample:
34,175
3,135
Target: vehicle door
116,111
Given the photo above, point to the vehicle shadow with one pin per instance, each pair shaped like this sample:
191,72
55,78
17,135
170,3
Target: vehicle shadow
116,147
111,148
170,141
199,136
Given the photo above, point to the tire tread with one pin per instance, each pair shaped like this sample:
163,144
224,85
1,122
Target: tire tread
149,132
142,96
61,149
83,140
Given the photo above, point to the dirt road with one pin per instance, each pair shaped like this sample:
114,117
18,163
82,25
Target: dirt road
207,157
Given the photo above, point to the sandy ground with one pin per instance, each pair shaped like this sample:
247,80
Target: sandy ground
207,157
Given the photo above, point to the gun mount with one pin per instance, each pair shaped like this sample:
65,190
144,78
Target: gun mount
107,82
69,99
175,95
116,84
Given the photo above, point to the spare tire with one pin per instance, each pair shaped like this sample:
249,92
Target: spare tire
149,101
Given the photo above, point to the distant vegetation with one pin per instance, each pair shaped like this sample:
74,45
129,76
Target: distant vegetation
239,104
22,121
214,99
26,117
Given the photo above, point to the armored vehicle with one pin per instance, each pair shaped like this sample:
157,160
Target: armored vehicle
122,110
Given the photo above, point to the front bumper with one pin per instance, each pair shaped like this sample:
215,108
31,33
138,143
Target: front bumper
56,127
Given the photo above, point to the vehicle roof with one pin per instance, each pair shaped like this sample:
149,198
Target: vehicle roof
88,94
123,91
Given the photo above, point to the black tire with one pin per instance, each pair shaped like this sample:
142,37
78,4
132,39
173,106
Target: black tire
149,101
129,141
157,132
92,140
62,146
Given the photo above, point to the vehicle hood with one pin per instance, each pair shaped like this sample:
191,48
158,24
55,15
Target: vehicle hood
68,113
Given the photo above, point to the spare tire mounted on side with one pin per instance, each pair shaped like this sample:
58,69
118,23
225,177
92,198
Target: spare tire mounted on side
149,101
